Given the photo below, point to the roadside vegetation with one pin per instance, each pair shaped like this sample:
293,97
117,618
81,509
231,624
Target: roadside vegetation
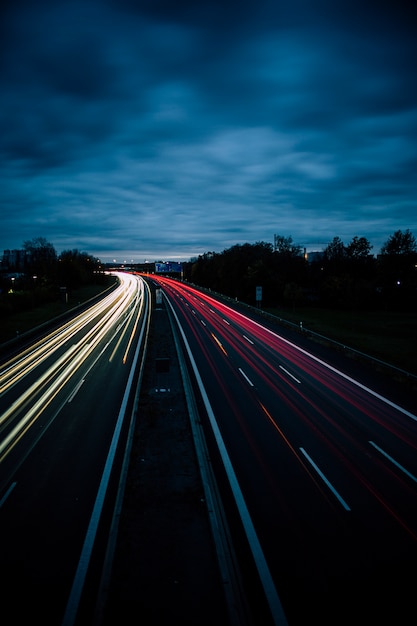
37,285
389,336
344,292
366,302
22,321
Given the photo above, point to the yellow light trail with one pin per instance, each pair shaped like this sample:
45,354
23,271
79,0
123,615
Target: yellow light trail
218,343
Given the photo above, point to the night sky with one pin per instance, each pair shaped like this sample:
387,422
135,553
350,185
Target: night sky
157,130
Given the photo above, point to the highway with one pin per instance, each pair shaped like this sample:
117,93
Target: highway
65,409
317,468
321,469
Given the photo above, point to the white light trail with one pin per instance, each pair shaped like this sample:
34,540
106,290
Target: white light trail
108,312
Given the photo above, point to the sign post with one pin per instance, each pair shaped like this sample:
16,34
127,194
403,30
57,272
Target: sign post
258,296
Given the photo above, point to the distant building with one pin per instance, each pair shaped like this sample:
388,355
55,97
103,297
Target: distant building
15,260
314,257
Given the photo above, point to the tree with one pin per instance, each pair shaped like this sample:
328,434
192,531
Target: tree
285,247
335,250
400,243
41,258
358,248
397,264
77,268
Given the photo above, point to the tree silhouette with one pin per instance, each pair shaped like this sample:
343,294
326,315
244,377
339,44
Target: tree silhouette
400,243
41,258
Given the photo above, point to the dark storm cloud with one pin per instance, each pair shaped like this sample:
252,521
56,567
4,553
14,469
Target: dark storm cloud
158,128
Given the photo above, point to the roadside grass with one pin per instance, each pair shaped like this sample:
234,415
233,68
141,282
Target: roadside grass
389,336
18,323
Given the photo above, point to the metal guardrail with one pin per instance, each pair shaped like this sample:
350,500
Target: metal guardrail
314,335
311,333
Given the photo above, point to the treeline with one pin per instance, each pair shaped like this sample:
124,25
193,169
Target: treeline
36,274
340,276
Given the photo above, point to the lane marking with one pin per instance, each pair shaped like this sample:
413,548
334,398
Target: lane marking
74,598
326,365
291,375
244,375
327,482
247,339
393,461
267,582
76,390
7,494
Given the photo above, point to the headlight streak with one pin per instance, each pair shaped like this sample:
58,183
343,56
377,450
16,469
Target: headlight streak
84,561
125,324
23,364
30,416
39,383
62,370
135,326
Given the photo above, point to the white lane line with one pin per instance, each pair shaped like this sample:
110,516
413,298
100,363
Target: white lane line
330,367
393,461
291,375
328,483
244,375
226,322
203,322
267,582
76,390
90,537
7,494
247,339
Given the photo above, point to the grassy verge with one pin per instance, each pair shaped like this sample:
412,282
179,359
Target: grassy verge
23,321
386,335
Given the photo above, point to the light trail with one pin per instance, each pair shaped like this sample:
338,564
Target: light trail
121,304
333,407
21,365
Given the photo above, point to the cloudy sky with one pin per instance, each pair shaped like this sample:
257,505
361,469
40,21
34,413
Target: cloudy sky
157,129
